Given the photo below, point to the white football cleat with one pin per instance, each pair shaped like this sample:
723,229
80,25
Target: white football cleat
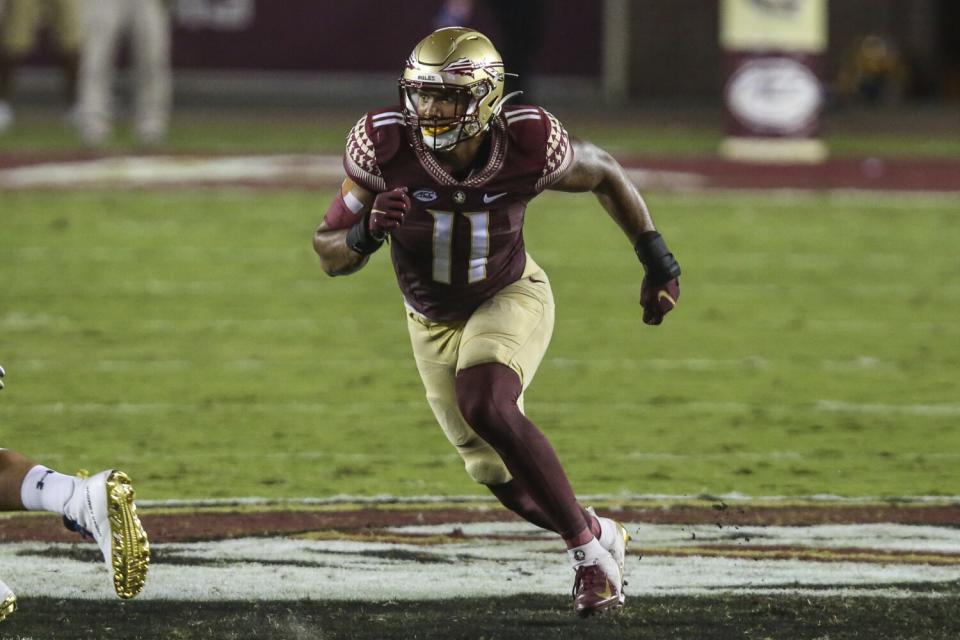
8,601
618,550
103,510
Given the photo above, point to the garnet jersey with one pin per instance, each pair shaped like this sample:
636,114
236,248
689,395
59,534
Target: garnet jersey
462,241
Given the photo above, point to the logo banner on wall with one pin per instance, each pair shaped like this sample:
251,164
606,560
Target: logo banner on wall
773,94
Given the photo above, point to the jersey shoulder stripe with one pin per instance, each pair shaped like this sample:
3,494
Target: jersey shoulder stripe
360,159
525,117
388,117
559,153
523,113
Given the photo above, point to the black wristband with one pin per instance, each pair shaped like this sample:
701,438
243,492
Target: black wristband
658,263
361,240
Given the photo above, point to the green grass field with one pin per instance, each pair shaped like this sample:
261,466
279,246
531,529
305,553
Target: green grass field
191,338
662,133
532,617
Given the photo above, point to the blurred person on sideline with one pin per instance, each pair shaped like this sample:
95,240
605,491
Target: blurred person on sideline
446,176
19,27
146,23
521,24
874,73
100,508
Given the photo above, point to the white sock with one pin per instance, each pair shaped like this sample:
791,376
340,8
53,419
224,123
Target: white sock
44,489
590,553
608,532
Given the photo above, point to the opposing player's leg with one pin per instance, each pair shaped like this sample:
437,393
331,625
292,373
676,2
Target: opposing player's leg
8,601
100,508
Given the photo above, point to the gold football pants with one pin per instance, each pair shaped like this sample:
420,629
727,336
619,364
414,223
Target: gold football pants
512,328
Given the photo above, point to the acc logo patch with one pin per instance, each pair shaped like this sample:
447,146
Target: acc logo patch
425,195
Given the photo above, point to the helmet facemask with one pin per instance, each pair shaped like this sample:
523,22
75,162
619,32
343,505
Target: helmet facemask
443,115
451,88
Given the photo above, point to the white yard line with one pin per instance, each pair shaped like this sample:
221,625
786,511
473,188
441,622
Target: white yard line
292,569
327,168
163,170
819,406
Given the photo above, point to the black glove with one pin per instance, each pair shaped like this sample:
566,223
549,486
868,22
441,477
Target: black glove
660,289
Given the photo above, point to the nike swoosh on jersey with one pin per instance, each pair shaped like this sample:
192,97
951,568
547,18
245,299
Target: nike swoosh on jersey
487,198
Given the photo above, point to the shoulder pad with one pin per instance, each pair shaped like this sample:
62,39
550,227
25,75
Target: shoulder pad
371,144
526,126
537,132
559,153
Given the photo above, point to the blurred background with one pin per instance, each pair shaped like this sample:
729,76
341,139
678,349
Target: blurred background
888,64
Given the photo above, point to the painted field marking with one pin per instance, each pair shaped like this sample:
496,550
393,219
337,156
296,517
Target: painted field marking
165,170
820,406
327,169
498,558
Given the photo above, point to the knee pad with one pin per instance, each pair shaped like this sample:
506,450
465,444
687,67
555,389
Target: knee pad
485,466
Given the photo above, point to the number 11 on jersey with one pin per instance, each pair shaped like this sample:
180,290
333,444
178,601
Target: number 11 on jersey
443,257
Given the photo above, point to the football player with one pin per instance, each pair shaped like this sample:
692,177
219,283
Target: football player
447,175
99,508
21,22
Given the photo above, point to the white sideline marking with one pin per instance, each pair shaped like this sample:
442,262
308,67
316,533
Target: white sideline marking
348,405
669,180
945,409
265,568
691,364
160,170
182,170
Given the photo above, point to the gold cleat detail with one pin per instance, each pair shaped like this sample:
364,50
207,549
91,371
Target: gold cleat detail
623,533
8,606
130,549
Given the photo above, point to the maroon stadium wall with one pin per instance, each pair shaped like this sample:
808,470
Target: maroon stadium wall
674,44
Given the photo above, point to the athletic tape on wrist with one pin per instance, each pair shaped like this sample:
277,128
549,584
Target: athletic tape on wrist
658,263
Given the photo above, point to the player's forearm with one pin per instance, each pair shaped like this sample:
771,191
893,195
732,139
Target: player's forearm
336,258
623,202
597,171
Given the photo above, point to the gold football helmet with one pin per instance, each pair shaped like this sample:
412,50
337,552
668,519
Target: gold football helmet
452,86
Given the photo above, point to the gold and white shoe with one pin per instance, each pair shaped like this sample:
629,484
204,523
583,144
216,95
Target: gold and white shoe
103,510
595,589
619,553
8,601
618,550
